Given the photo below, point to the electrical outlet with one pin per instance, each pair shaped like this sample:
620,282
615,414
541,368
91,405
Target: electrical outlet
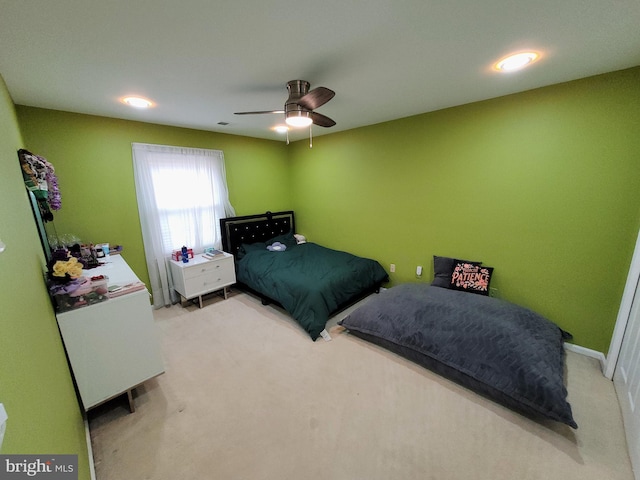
419,271
392,268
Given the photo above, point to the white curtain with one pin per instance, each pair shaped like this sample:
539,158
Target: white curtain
182,195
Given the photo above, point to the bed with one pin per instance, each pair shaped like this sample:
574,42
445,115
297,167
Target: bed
309,281
496,348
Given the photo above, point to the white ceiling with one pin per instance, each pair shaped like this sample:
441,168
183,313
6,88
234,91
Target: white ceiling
203,60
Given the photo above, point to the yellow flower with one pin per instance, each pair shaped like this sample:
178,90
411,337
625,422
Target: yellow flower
60,269
75,271
70,267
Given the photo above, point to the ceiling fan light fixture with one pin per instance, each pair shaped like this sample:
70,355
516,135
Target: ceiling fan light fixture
298,119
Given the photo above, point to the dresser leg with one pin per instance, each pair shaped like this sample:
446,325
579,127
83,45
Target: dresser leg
132,405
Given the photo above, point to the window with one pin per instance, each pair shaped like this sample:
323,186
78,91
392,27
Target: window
182,195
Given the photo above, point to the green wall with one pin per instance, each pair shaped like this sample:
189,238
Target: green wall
92,157
35,385
543,185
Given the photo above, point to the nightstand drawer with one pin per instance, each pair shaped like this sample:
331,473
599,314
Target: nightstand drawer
211,267
210,281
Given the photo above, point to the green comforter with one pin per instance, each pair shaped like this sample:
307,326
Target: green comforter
308,280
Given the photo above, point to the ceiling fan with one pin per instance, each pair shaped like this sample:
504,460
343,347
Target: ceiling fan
299,107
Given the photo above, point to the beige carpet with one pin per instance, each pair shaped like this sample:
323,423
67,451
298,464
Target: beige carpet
248,395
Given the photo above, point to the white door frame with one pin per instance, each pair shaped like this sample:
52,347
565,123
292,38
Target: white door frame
623,314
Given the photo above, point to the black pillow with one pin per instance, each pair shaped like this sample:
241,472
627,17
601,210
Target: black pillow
470,277
443,268
249,247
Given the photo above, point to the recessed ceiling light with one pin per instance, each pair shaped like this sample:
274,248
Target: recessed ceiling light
516,61
137,102
281,128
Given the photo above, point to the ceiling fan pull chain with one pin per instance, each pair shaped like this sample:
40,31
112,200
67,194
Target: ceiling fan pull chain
287,136
310,136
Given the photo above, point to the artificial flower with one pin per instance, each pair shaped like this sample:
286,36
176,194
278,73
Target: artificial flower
70,267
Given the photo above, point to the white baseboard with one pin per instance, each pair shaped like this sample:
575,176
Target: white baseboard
87,433
587,352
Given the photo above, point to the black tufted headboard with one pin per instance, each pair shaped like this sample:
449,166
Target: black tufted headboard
254,228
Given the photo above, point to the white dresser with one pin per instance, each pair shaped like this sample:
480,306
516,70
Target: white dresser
113,346
201,275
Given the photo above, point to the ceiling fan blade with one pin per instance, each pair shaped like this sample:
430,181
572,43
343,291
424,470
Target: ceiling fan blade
316,98
321,120
259,113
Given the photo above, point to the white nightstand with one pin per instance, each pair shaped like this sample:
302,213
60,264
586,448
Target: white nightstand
201,275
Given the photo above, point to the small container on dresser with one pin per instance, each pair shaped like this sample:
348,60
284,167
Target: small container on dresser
202,275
